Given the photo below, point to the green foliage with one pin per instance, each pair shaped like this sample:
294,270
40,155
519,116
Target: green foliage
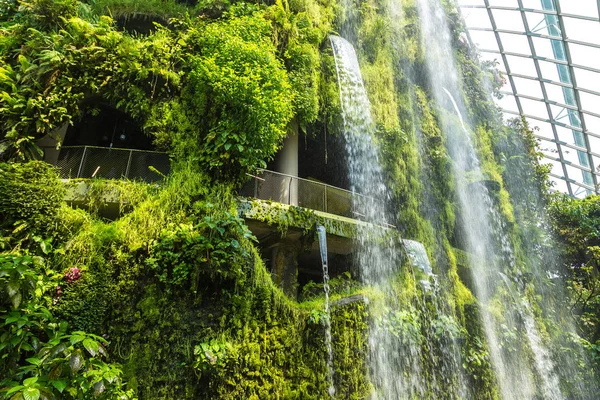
211,355
240,94
210,249
70,59
177,283
576,223
39,358
30,197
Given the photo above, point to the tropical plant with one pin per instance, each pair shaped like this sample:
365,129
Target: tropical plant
40,359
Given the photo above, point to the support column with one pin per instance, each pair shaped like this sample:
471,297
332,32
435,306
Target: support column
284,267
50,144
286,162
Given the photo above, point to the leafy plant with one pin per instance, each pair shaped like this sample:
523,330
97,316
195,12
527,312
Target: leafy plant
212,355
40,360
211,247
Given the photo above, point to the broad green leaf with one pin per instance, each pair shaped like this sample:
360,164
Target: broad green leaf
16,300
76,361
30,381
13,288
14,389
91,346
75,338
31,394
34,361
60,385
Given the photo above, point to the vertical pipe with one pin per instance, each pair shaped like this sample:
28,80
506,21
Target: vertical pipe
128,164
81,162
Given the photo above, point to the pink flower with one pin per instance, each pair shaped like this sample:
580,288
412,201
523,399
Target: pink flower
72,274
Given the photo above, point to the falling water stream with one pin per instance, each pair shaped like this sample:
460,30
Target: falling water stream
399,333
376,252
484,232
404,339
322,233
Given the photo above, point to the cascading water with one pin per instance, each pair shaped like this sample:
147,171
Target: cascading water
322,233
376,252
541,355
483,230
401,336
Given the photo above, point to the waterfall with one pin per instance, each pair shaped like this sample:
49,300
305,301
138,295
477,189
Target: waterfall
395,341
484,233
541,355
323,248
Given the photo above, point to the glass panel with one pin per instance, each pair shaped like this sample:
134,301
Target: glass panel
588,79
562,114
549,70
477,18
585,55
485,56
557,168
575,173
537,23
529,87
521,66
592,123
594,144
557,93
582,30
559,184
509,20
541,129
515,43
484,40
504,3
532,4
549,149
580,7
535,108
574,156
590,102
471,2
565,135
508,103
543,48
596,164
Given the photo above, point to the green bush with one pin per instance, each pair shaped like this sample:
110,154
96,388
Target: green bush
240,95
30,196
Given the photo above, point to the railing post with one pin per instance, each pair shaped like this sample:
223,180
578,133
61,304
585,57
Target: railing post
290,191
128,164
82,161
325,198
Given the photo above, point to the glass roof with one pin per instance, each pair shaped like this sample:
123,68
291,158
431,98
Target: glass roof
549,51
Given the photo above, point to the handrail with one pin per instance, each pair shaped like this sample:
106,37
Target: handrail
313,182
108,162
315,195
108,148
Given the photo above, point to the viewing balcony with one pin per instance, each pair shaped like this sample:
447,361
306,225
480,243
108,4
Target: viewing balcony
306,193
112,163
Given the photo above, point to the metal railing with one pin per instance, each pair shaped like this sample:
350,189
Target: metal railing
289,189
112,163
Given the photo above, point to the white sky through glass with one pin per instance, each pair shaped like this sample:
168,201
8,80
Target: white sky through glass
549,52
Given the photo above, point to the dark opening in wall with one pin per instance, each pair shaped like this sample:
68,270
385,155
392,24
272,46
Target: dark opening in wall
105,126
139,23
310,269
107,143
323,157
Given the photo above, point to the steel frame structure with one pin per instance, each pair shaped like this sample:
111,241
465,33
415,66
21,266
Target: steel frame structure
581,176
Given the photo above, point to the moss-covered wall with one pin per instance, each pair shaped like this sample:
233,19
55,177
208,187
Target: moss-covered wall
176,286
